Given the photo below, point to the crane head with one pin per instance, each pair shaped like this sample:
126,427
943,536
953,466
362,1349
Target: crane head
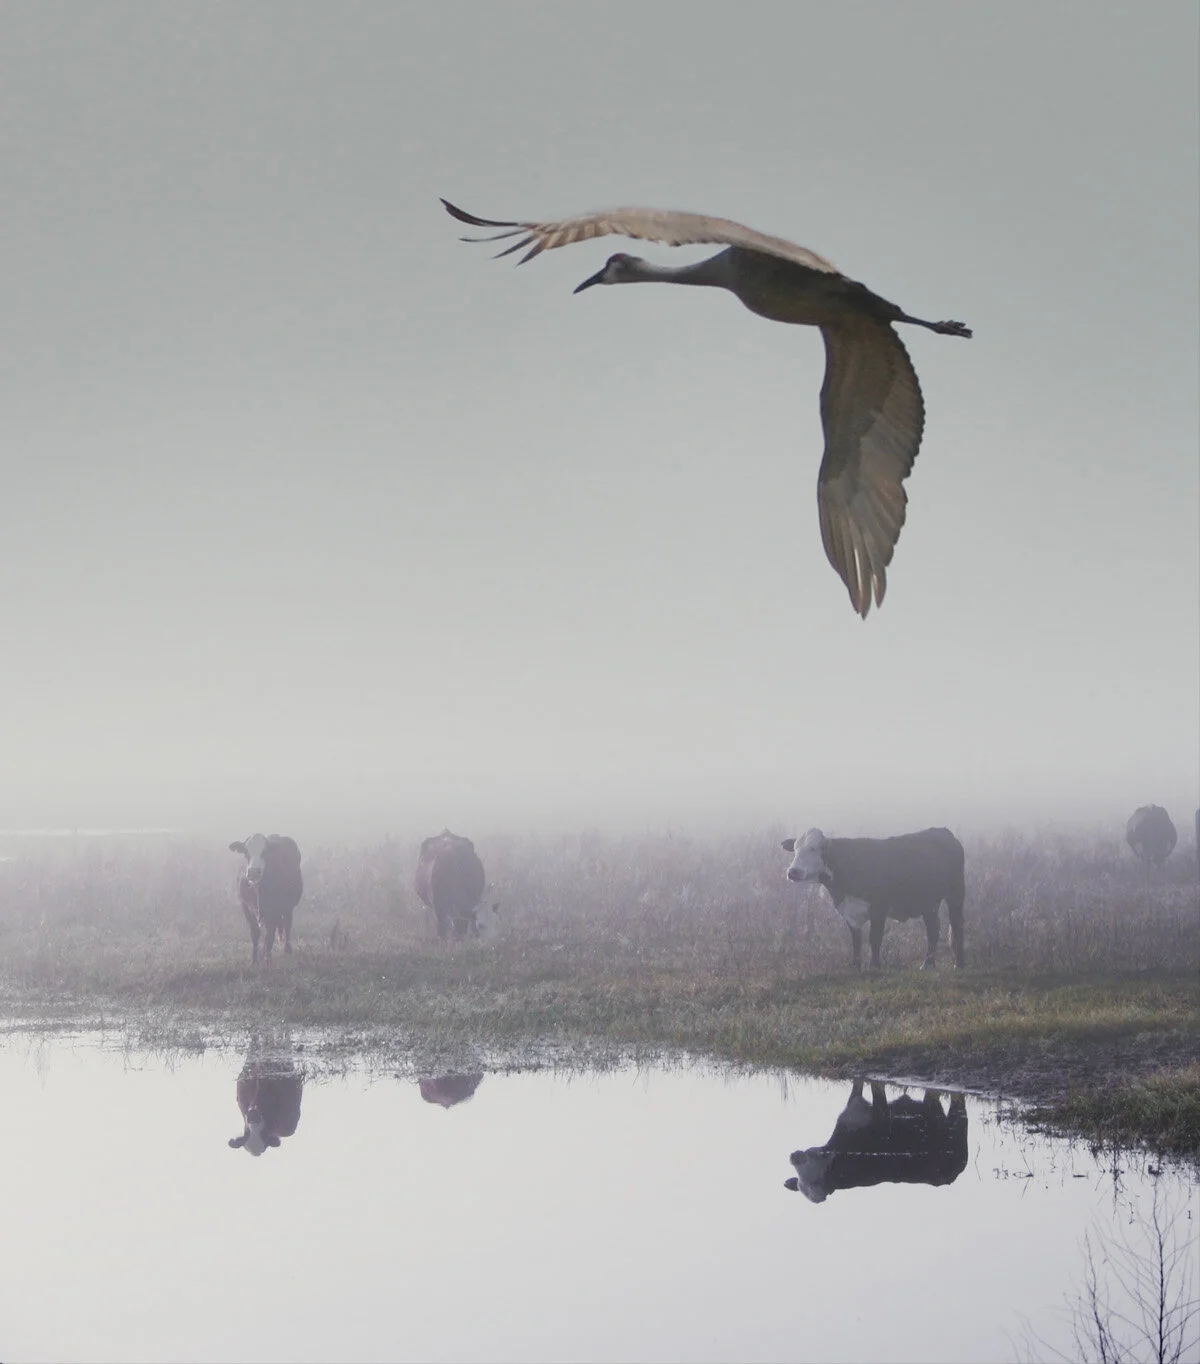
618,269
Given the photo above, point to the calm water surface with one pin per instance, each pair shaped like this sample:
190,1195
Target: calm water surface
635,1214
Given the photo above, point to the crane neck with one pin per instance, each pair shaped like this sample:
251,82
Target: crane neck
713,272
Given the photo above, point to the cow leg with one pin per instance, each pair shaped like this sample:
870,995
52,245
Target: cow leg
268,940
932,923
285,931
856,948
876,940
955,905
443,924
252,920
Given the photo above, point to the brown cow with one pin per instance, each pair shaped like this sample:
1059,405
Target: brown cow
450,880
269,888
876,879
1151,835
902,1142
268,1094
448,1090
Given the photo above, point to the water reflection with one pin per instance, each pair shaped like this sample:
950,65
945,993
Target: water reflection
269,1089
448,1090
901,1142
376,1220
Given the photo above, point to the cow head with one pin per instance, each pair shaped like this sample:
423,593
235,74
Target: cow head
254,850
258,848
487,922
255,1138
808,860
812,1167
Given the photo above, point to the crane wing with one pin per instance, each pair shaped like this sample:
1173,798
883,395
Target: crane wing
873,415
644,224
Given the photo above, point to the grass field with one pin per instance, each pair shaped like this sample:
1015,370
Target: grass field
1082,991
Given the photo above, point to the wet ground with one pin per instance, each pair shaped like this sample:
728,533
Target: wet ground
253,1204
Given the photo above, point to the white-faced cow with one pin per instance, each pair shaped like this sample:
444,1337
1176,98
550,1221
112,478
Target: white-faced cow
268,1094
876,879
1151,835
450,880
902,1142
448,1090
269,888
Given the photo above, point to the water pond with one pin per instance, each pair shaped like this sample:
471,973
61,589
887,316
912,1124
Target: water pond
252,1205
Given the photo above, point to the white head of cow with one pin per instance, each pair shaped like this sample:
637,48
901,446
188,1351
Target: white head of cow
487,923
255,1139
811,1168
254,850
808,862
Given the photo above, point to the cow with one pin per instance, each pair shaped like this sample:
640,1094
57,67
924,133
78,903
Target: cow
902,1142
269,889
268,1094
448,1090
450,880
1151,835
876,879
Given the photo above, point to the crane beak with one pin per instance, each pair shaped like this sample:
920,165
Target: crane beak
597,278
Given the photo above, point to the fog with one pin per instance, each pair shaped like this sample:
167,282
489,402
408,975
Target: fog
312,515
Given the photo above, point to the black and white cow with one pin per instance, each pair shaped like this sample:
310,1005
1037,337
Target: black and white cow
1151,835
902,1142
269,888
875,879
268,1095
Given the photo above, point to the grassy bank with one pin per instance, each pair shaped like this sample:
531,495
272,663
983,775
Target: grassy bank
1081,993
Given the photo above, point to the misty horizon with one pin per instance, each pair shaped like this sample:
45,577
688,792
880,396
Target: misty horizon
315,518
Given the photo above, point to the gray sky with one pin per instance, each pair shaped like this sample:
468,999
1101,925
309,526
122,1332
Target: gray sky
313,514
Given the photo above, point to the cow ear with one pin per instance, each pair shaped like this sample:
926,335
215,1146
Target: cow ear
238,848
788,845
237,1142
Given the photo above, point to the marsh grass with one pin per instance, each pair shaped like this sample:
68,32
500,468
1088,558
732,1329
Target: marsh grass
1082,969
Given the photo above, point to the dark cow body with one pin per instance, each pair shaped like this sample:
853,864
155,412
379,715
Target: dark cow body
902,1142
268,1095
876,879
450,880
269,888
448,1090
1151,835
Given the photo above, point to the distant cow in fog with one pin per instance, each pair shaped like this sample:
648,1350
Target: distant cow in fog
269,888
268,1094
1151,835
877,879
448,1090
902,1142
450,880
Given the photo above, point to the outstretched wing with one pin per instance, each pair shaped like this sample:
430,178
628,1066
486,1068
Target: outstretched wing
644,224
873,416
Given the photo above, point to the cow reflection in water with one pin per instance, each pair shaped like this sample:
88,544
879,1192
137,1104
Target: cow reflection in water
268,1094
448,1090
902,1142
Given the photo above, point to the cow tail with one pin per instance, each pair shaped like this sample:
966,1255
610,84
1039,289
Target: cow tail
954,904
